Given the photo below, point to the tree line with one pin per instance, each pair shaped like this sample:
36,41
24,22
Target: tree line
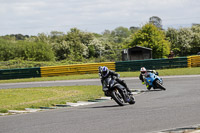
81,46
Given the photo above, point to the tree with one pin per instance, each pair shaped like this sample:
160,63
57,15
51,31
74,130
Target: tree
195,45
151,37
172,36
120,33
184,41
78,42
156,21
106,33
19,36
134,29
96,48
42,37
56,33
61,49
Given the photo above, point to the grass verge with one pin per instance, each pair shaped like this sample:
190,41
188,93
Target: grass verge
18,99
162,72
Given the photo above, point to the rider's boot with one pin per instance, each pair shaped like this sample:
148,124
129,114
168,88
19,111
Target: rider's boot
124,84
129,91
148,87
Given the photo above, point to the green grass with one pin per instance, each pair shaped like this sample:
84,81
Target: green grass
162,72
3,111
45,96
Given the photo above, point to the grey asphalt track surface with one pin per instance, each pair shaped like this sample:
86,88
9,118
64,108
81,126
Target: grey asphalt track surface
178,106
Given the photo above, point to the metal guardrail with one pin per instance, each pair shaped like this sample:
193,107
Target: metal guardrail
191,61
74,69
194,61
54,70
20,73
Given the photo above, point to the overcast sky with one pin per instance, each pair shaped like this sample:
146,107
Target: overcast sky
30,17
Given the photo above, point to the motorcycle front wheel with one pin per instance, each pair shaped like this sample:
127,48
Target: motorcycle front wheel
160,85
117,97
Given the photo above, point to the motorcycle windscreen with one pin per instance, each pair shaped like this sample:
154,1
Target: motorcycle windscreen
107,81
106,84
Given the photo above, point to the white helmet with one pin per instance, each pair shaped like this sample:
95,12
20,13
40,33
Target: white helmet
143,70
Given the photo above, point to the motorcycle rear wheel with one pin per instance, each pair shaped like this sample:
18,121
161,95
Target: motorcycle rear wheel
117,97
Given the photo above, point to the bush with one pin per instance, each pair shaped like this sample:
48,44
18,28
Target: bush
35,51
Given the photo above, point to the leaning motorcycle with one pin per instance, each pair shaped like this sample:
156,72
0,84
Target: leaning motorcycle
116,91
154,81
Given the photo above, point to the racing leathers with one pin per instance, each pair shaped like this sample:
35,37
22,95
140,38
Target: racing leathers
114,74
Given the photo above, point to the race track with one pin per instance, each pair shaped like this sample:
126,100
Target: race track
178,106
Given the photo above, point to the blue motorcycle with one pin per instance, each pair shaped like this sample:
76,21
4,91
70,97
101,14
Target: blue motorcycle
153,80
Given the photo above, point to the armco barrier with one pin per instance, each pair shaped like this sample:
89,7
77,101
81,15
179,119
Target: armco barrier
93,67
151,64
74,69
19,73
194,61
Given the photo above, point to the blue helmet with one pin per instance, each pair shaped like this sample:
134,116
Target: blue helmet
105,71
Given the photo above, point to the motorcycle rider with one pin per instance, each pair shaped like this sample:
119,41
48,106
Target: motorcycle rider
100,71
104,72
144,73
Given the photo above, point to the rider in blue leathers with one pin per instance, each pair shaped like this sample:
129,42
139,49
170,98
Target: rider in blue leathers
144,73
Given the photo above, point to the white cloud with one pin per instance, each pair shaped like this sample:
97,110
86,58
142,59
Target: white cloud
36,16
